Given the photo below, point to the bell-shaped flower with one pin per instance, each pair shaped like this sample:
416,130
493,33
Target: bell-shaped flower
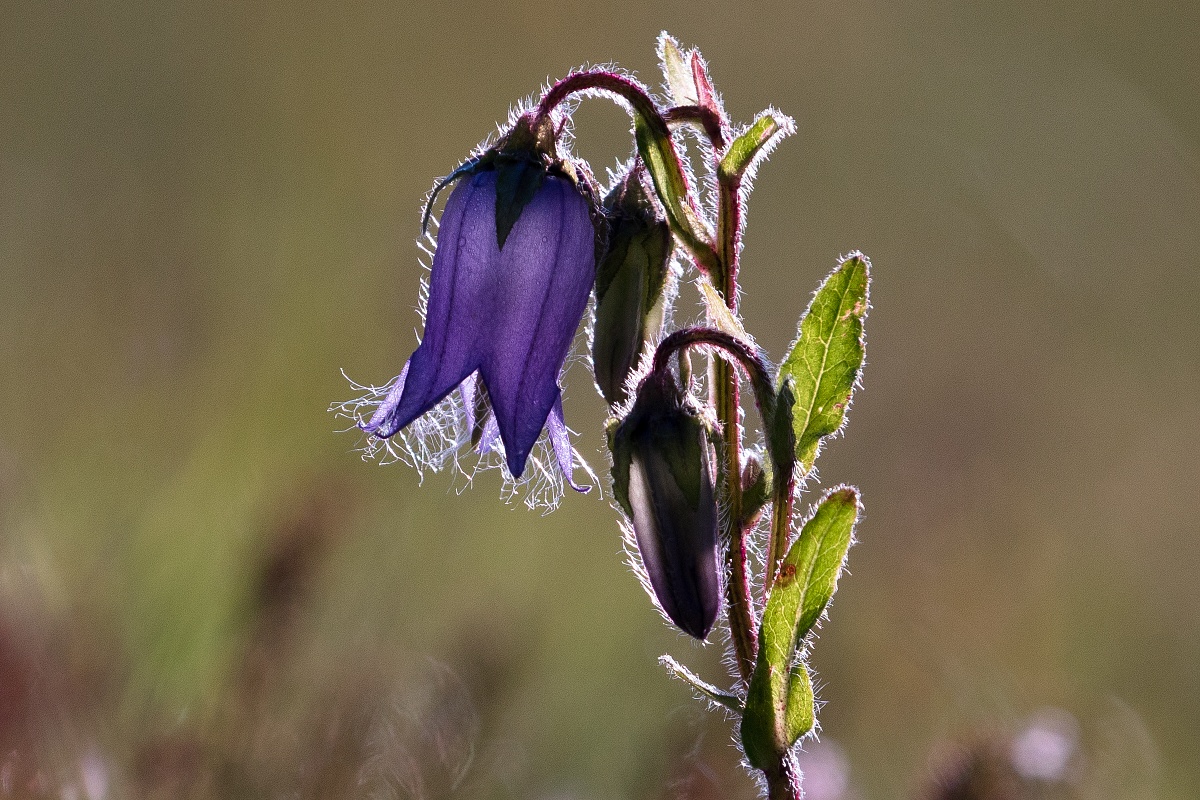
663,477
513,266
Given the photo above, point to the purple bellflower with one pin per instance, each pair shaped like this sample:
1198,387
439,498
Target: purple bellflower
513,267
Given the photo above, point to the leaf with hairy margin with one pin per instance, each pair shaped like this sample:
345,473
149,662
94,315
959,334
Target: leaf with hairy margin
826,359
806,583
657,151
758,140
676,71
702,686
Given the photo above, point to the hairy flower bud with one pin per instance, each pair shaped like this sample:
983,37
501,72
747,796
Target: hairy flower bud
663,478
631,285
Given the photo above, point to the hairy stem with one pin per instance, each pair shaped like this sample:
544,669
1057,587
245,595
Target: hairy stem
741,603
729,233
783,781
655,146
703,118
739,351
597,80
738,597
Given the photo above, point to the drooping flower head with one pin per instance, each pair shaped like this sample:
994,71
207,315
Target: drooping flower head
663,478
513,266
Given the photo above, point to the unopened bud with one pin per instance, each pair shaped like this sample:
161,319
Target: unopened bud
631,283
663,478
756,489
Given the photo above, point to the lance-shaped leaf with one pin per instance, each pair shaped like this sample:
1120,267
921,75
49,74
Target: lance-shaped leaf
826,359
801,704
676,71
719,315
806,583
756,142
702,686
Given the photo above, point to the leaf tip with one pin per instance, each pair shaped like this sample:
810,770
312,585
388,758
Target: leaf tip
856,256
845,494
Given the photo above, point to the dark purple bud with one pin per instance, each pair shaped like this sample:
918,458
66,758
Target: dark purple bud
505,305
631,285
663,479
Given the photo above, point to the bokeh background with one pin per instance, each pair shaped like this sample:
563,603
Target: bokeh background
207,209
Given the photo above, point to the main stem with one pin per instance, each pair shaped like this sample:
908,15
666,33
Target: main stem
783,782
727,400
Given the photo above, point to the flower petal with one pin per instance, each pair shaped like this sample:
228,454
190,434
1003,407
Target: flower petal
388,406
462,283
467,391
560,440
546,272
489,440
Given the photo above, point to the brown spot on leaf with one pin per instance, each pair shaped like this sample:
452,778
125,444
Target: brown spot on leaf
856,310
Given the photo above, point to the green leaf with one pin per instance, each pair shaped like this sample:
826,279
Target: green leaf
801,705
807,581
825,361
815,561
657,151
719,314
757,141
706,689
676,71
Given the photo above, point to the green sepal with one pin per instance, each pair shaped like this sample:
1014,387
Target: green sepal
826,359
465,168
706,689
758,140
805,584
517,181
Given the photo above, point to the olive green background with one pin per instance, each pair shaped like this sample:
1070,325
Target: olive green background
207,209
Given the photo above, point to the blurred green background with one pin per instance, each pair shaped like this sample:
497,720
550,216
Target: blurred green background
207,209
